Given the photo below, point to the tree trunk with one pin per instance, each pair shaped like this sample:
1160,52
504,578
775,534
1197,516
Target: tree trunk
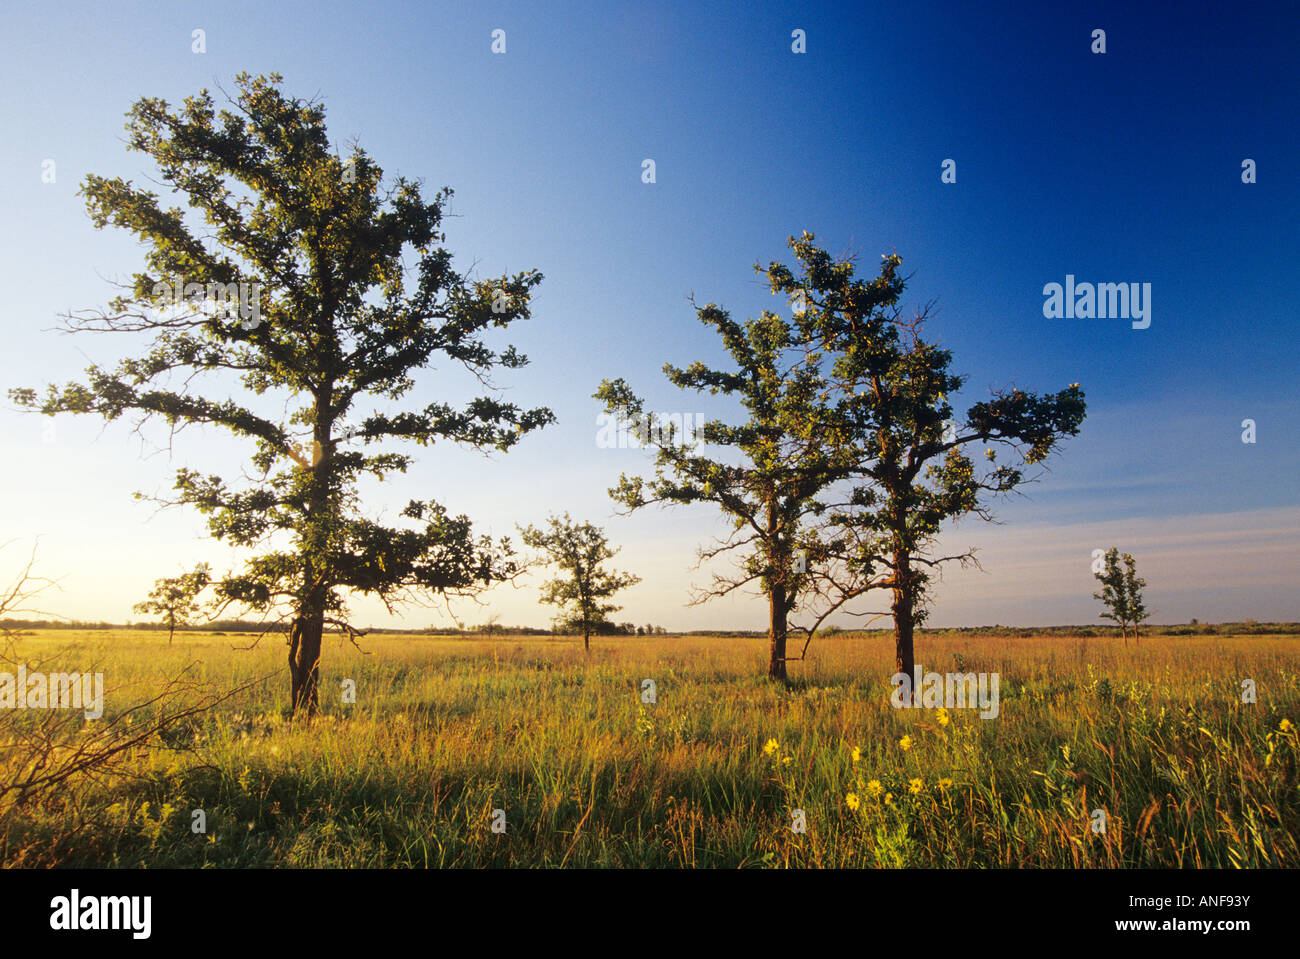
309,624
776,605
904,656
586,640
903,608
304,662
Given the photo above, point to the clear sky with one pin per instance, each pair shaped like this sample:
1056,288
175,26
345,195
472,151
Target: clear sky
1117,167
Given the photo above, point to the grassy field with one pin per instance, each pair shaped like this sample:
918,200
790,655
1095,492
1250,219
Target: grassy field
444,731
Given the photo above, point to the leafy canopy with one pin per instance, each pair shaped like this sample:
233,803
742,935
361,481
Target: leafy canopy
1121,590
579,550
343,328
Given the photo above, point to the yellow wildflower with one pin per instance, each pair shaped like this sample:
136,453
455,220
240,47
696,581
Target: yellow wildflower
943,716
945,783
889,799
1286,725
874,788
857,753
914,786
906,743
770,747
851,800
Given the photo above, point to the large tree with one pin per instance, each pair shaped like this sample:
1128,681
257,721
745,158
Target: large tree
911,472
774,469
335,320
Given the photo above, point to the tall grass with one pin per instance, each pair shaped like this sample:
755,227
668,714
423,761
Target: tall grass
444,731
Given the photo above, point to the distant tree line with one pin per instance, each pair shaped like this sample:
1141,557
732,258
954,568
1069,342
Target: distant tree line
1194,628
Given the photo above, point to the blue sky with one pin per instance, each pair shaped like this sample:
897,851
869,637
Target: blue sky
1115,167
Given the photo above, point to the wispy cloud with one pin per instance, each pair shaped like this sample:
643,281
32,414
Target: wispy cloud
1043,573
